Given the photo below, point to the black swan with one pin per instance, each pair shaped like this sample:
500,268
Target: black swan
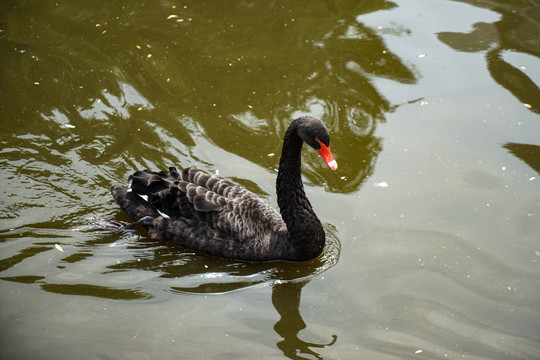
217,217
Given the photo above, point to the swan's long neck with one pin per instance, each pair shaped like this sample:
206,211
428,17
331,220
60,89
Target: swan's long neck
305,230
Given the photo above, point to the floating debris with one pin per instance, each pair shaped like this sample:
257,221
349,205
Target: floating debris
528,106
422,55
419,351
382,184
58,247
176,17
271,154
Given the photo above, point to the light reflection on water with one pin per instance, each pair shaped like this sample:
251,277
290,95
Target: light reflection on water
438,100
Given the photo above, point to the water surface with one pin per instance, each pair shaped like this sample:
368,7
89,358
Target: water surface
432,218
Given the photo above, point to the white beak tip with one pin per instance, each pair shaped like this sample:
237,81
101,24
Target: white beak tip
332,164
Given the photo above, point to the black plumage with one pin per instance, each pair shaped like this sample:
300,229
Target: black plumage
215,216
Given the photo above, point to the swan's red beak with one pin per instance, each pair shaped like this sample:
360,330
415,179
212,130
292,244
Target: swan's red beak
324,151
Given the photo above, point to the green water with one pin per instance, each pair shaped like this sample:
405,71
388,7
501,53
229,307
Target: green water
432,218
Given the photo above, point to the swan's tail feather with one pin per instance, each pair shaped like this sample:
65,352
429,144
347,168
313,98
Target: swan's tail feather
132,204
147,182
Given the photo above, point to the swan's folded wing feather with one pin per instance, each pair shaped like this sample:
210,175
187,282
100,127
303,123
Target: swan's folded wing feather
209,201
214,183
218,202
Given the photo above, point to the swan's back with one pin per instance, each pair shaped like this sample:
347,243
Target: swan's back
206,213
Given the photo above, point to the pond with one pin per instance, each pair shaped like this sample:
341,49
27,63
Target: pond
432,219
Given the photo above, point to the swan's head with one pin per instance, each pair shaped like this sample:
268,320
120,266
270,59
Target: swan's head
315,134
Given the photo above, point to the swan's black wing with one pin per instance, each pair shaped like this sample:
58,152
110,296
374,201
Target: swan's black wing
205,213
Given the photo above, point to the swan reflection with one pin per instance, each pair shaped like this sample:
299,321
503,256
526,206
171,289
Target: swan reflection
286,300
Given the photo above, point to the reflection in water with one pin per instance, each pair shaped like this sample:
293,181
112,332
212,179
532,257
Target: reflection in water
518,30
286,300
514,80
185,273
28,252
96,291
530,154
167,84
